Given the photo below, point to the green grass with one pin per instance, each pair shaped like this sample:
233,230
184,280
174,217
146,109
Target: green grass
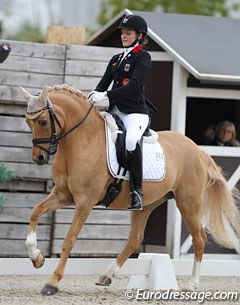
6,175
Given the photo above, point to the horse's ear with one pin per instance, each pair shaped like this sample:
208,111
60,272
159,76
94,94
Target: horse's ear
43,96
25,93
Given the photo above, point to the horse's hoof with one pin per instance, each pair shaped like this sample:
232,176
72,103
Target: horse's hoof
104,281
49,290
190,287
39,262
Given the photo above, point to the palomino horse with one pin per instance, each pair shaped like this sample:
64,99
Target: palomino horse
64,121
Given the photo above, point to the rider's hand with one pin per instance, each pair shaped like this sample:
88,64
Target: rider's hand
90,94
100,100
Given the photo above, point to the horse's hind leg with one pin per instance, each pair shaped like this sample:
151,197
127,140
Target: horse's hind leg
190,208
138,224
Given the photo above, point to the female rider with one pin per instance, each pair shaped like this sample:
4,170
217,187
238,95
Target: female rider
128,71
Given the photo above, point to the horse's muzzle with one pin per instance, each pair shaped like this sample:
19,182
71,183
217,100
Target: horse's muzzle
41,159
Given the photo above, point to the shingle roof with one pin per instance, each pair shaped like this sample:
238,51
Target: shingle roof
208,47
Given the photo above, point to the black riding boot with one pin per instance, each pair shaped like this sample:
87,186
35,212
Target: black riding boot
135,164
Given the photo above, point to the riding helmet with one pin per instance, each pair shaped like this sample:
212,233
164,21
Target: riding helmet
134,22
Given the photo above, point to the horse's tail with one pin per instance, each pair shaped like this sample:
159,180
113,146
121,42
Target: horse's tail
220,213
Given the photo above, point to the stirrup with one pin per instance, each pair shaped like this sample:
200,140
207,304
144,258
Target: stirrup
136,206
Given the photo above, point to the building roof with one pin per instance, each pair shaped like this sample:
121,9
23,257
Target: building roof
208,47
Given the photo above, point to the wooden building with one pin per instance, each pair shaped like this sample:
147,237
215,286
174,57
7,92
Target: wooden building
194,82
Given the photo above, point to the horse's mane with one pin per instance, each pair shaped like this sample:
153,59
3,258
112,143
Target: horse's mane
72,90
69,89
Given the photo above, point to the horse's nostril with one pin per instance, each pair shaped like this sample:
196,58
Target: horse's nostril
41,158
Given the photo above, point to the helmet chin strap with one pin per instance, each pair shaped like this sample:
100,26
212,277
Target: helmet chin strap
134,43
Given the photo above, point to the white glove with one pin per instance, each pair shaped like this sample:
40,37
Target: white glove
91,93
100,100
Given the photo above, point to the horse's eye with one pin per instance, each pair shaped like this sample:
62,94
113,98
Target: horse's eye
42,122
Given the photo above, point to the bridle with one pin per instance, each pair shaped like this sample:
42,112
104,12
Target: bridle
54,139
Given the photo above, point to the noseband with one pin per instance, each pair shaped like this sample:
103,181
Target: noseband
54,139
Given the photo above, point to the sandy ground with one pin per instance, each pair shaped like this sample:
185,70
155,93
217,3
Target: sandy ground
77,290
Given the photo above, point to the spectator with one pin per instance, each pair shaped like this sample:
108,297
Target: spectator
224,134
5,49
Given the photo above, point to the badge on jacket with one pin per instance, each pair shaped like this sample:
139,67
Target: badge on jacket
127,67
125,81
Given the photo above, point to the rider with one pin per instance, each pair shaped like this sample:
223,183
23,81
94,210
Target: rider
128,71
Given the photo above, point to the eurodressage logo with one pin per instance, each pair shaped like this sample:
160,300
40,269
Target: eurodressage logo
169,295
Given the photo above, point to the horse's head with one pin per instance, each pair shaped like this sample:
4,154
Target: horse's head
44,124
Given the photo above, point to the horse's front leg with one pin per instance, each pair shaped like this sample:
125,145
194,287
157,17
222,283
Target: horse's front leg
53,202
81,214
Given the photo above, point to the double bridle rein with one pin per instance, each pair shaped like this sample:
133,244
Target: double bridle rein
54,139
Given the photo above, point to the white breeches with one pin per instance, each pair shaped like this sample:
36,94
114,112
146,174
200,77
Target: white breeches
135,124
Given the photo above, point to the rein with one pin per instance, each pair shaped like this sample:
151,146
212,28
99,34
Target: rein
54,139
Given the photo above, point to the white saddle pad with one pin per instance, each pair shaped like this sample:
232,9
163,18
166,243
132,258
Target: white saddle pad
153,159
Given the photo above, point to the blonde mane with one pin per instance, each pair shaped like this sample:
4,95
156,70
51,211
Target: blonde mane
75,91
69,89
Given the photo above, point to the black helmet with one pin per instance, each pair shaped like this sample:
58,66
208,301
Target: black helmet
134,22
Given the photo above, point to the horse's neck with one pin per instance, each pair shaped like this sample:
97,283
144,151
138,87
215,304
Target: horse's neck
91,130
81,155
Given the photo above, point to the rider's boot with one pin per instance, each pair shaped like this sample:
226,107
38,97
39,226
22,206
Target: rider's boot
135,164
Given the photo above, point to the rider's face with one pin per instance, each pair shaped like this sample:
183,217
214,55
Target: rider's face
128,36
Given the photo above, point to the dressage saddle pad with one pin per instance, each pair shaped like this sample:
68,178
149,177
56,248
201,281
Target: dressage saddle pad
153,158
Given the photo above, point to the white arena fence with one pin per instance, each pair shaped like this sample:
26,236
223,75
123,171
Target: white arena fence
148,271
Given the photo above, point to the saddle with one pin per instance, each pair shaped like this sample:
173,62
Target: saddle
121,152
121,141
